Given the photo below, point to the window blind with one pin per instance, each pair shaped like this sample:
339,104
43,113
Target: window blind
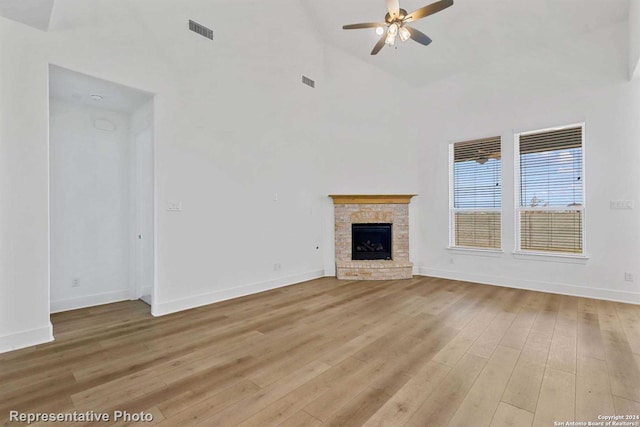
551,205
476,193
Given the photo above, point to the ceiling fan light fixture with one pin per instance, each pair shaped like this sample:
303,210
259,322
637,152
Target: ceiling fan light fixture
391,39
393,29
404,34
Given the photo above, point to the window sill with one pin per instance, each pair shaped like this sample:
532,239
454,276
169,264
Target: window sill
552,257
475,251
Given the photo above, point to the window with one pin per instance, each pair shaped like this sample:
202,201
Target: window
476,193
549,175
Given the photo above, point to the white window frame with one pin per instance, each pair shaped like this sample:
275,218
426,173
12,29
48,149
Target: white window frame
453,210
516,175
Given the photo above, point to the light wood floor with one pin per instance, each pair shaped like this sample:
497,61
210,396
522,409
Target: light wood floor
421,352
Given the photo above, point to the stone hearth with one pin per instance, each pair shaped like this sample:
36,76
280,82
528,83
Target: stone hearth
371,209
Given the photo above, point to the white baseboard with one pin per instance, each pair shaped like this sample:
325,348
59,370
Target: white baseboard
89,301
26,339
534,285
330,272
164,308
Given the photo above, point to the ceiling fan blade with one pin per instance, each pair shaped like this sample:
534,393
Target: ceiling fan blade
379,45
394,8
428,10
363,25
418,36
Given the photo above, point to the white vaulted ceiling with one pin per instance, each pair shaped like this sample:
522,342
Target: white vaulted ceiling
36,13
470,34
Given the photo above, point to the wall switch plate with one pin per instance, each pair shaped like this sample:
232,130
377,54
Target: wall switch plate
621,204
174,206
628,277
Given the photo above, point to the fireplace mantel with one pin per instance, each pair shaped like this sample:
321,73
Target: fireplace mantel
371,199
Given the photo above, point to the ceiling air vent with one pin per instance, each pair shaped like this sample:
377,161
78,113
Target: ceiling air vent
201,29
306,80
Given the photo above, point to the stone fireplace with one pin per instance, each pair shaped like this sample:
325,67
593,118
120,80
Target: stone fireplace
363,223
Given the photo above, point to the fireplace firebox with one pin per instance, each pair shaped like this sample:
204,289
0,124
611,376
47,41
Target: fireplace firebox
371,241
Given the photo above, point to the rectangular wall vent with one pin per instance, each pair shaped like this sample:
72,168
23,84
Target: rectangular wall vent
201,29
306,80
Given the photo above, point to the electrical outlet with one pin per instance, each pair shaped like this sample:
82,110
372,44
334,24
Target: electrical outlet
628,277
276,267
75,283
621,204
174,206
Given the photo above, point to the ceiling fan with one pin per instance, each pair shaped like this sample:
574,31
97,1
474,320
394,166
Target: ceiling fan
396,22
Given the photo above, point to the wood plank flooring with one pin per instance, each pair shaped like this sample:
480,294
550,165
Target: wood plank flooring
420,352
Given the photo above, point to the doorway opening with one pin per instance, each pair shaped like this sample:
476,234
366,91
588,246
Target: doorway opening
101,186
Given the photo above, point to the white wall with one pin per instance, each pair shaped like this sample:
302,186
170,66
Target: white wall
143,203
235,127
91,211
24,172
634,38
583,80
